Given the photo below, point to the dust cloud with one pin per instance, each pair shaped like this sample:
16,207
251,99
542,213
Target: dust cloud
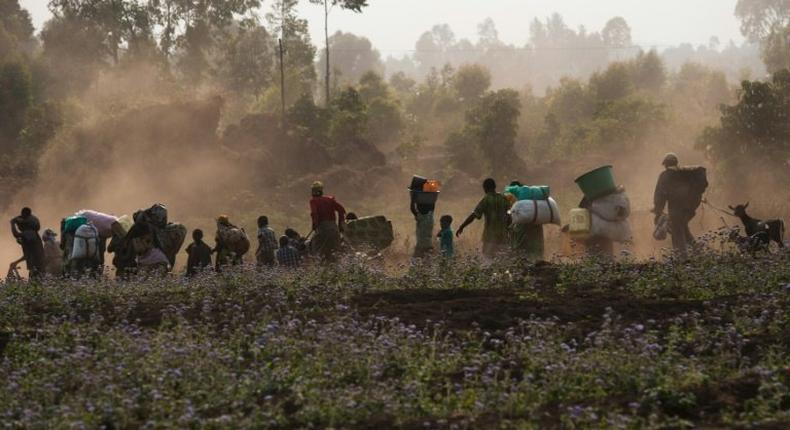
139,140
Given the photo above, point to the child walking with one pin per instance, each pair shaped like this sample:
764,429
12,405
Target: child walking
446,236
199,254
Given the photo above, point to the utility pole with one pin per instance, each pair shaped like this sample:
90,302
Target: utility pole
282,82
326,40
283,21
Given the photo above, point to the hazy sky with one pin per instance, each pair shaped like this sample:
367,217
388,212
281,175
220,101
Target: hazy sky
394,25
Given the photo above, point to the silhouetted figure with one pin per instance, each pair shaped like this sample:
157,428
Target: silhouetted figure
25,229
328,218
199,254
493,208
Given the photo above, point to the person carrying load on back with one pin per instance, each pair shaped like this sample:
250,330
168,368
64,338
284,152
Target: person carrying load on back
84,258
53,257
493,207
526,238
680,189
328,218
25,229
231,243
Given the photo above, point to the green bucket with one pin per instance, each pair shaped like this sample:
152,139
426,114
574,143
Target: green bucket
597,183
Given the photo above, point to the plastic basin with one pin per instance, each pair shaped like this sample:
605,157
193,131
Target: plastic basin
597,183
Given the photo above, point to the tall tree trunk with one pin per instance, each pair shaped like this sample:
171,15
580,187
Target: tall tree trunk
326,40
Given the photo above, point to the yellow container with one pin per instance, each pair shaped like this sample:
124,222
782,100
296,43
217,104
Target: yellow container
579,227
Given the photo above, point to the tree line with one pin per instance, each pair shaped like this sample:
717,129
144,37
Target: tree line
451,103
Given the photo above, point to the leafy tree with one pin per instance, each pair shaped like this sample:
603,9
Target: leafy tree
248,61
433,48
776,50
16,29
648,71
760,18
73,51
16,98
616,33
118,23
767,22
471,81
385,115
352,5
183,22
490,131
300,74
348,131
402,84
701,85
353,57
753,132
488,35
612,84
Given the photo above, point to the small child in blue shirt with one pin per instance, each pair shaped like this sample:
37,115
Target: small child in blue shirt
446,236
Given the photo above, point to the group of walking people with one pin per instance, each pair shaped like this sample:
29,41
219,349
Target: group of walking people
673,191
679,190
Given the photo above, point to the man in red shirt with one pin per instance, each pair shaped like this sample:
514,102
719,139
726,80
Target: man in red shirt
328,216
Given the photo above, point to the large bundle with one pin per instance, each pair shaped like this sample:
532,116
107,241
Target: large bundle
374,231
527,192
121,227
536,212
691,183
616,231
70,224
153,257
156,215
170,239
102,221
86,243
612,207
234,239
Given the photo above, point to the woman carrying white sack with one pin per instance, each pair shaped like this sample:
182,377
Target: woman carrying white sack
608,222
103,223
84,257
526,232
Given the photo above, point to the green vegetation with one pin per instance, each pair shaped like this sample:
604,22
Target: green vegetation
457,345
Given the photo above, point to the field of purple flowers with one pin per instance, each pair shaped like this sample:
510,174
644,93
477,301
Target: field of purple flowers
700,343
